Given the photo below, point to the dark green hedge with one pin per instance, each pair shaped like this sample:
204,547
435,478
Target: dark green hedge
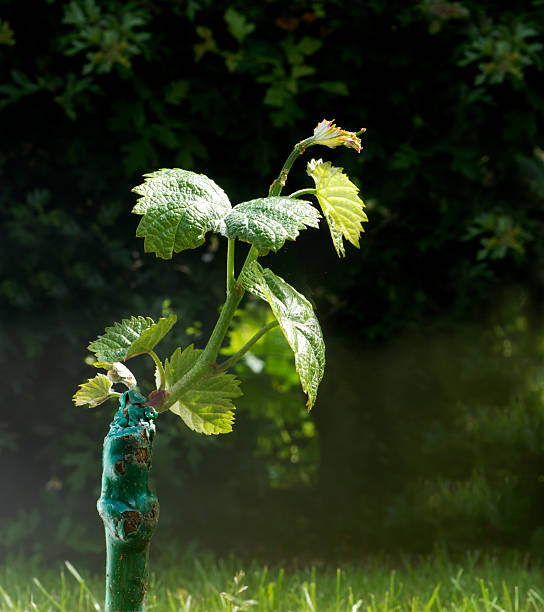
429,421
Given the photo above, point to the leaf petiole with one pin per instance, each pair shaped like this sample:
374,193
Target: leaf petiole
160,369
301,192
247,346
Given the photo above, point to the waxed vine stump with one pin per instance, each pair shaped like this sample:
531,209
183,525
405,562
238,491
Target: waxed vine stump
128,508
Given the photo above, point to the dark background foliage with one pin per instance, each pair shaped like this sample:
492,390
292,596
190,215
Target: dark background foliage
429,425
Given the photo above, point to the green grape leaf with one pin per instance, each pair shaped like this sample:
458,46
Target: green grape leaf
95,392
131,337
297,321
268,222
341,206
206,407
178,208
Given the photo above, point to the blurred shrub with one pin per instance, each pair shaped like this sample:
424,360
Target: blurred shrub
95,93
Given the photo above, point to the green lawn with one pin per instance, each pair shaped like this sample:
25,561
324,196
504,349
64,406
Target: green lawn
508,583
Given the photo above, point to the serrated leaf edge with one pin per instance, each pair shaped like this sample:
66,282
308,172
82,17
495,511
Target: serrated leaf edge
263,293
338,231
224,402
274,226
112,330
94,404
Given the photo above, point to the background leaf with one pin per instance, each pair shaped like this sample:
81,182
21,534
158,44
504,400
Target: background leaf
178,208
94,392
268,222
237,24
131,337
340,204
206,407
298,322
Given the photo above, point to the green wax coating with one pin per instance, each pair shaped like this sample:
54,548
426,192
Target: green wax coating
128,508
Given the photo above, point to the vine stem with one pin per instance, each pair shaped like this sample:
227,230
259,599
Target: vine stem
230,266
247,346
206,363
203,366
279,183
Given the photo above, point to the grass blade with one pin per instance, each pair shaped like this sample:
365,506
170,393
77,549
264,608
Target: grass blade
433,597
44,591
7,599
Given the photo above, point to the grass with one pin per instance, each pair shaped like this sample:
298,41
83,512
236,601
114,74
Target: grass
433,584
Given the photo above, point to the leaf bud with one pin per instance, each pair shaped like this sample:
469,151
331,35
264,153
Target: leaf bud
327,134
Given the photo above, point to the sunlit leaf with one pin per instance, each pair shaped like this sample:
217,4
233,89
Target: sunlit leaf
268,222
131,337
298,322
94,392
341,206
178,208
206,407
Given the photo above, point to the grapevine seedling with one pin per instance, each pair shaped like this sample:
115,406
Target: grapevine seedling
178,208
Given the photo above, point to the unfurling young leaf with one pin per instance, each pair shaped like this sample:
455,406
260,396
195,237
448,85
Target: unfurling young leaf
297,321
95,392
178,208
119,373
206,407
327,134
341,206
131,337
268,222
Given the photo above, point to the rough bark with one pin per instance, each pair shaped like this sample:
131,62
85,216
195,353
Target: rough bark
128,508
